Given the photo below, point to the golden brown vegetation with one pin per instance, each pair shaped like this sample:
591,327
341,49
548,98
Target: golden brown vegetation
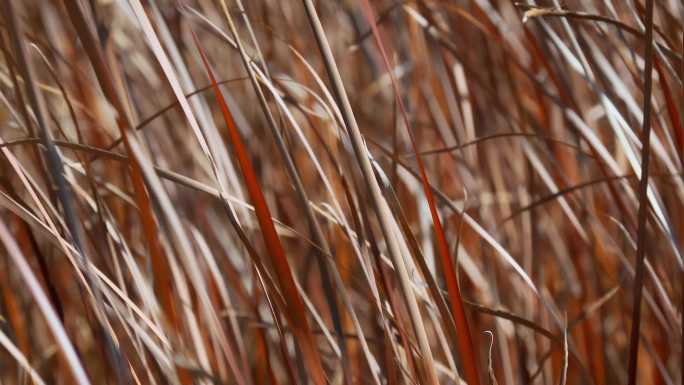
341,192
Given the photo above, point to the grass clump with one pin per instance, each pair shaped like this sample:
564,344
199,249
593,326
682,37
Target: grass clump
356,192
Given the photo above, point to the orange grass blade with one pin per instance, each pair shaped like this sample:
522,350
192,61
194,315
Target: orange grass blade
295,305
465,340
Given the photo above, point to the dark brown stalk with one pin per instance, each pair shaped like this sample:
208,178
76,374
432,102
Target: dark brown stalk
643,199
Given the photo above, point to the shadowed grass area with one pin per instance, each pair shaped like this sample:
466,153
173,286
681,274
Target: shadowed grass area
341,192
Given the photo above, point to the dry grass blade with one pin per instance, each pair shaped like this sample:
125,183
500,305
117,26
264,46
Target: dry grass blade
326,267
295,305
51,318
206,192
564,371
379,204
643,202
465,339
54,162
21,359
104,78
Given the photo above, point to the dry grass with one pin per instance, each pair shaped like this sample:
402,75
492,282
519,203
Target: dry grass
341,192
